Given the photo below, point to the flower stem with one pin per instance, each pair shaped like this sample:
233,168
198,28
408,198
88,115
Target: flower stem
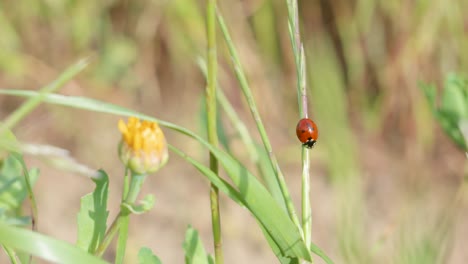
211,124
121,220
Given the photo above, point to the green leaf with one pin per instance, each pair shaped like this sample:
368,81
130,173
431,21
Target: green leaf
453,98
257,199
453,108
226,188
430,91
144,205
146,256
45,247
93,215
194,251
14,189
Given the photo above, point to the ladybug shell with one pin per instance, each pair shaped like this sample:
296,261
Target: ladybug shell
307,132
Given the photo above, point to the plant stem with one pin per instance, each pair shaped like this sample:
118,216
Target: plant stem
121,220
212,126
109,235
306,208
261,129
299,58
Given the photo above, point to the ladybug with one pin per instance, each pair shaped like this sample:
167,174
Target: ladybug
307,132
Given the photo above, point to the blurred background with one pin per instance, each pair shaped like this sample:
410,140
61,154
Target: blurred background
384,175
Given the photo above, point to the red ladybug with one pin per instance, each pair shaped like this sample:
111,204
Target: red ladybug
307,132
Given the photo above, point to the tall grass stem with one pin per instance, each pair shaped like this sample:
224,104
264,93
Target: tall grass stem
299,58
211,107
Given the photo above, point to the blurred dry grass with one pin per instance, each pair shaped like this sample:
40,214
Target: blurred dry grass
372,52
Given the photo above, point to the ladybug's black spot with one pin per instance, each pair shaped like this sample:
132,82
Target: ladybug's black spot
310,143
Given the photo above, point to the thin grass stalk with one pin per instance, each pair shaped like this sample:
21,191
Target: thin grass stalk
33,102
299,58
11,255
211,108
238,69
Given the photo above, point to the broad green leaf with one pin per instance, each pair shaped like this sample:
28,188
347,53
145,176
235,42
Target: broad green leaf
257,199
93,215
194,251
44,247
146,256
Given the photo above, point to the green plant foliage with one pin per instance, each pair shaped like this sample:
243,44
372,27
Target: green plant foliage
194,251
146,256
453,108
93,215
45,247
255,196
13,191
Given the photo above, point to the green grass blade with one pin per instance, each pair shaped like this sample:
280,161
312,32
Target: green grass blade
47,248
11,255
257,153
232,193
242,79
222,185
257,199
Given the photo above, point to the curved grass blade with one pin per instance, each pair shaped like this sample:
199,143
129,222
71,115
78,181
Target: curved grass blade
235,196
257,199
45,247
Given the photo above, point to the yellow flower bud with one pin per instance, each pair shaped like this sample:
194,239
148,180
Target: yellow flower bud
143,148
